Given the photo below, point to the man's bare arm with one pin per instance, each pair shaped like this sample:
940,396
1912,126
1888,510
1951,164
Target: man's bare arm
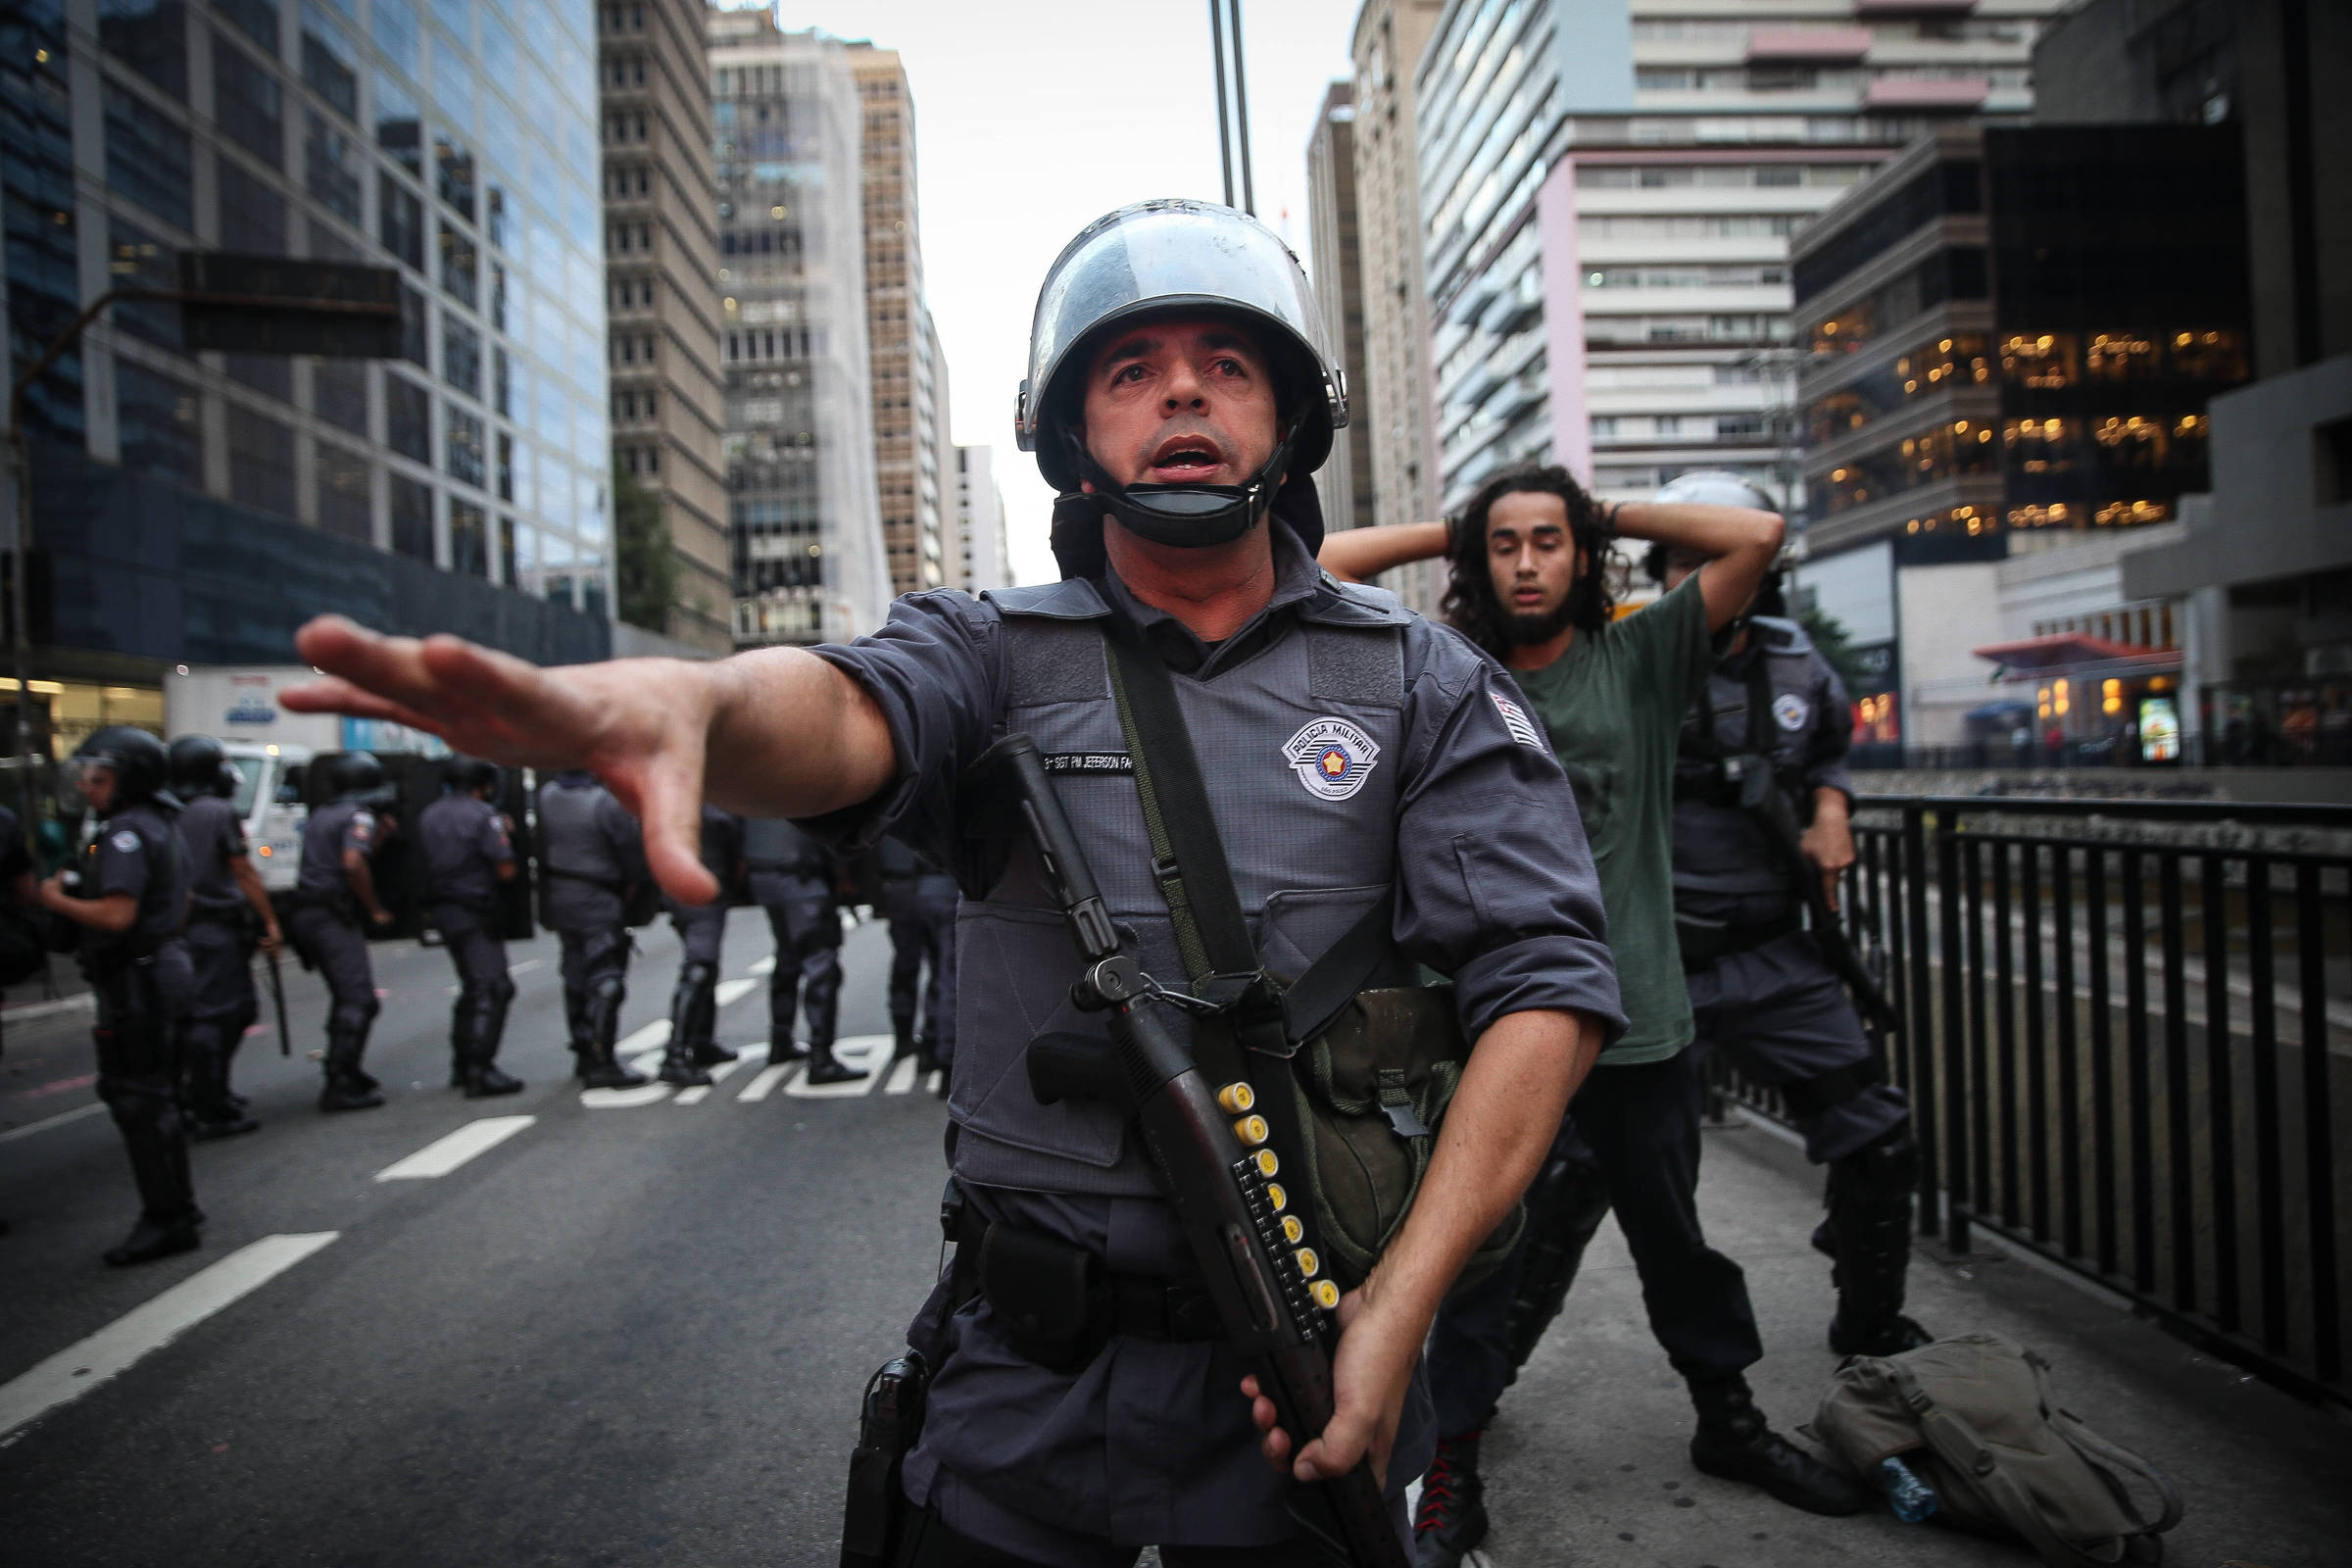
778,732
1359,555
1502,1123
249,883
1739,543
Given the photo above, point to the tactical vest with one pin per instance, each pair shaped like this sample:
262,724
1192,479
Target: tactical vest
163,904
1301,745
1717,848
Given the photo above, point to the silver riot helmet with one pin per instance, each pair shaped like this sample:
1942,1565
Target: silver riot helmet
1720,487
1169,257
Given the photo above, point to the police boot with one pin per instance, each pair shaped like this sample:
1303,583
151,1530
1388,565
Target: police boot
826,1068
1734,1442
901,1039
1565,1207
600,1069
484,1078
347,1087
212,1111
159,1165
151,1239
1868,1230
1452,1518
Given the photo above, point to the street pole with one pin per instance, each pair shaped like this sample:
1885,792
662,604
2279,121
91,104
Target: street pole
1216,44
1240,103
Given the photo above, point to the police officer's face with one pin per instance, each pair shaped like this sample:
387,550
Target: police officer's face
98,787
1534,561
1180,402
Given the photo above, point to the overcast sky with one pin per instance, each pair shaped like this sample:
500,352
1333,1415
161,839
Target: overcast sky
1033,117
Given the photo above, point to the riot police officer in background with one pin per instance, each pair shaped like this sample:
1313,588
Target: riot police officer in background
1761,991
919,901
792,879
468,850
226,906
590,861
334,896
129,897
702,935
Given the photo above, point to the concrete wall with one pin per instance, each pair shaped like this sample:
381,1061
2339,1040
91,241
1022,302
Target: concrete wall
1945,613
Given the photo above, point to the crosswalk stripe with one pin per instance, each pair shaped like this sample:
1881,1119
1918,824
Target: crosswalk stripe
901,1077
763,1083
866,1051
694,1095
623,1099
445,1154
652,1037
730,992
764,966
81,1367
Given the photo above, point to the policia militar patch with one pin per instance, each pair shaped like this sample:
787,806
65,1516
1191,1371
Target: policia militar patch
1088,762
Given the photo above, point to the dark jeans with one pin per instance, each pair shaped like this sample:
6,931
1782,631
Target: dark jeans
1642,1124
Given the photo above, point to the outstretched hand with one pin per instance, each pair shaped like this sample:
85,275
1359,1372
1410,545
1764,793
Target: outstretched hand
1370,1372
639,724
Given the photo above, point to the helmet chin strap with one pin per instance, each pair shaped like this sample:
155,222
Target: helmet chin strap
1187,515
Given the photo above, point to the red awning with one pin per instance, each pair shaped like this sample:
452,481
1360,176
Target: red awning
2072,649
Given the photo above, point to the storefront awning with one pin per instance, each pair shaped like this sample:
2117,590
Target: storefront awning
2073,654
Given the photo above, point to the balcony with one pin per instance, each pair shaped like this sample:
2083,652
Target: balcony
1927,94
1807,46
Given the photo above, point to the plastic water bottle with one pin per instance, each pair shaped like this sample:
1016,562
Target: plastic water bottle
1911,1499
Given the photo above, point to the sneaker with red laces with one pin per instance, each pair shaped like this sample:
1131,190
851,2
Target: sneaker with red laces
1452,1519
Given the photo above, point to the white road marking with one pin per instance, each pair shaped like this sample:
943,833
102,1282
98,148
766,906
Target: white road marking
766,965
901,1077
79,1368
730,992
763,1083
870,1052
47,1123
445,1154
26,1012
652,1037
694,1095
934,1082
623,1099
528,963
718,1075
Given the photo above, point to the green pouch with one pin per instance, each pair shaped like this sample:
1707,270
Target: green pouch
1373,1087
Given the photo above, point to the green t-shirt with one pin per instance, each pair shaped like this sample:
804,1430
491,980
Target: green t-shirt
1614,703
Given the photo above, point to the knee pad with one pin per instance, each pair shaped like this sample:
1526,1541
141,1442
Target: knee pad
699,974
354,1017
501,990
606,990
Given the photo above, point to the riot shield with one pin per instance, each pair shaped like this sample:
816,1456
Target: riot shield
411,782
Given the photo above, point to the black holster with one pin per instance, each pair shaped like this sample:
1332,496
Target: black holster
875,1515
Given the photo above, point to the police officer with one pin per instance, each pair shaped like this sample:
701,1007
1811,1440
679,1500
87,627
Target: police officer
1760,990
227,906
129,897
590,861
467,846
1356,760
919,901
792,879
702,935
332,897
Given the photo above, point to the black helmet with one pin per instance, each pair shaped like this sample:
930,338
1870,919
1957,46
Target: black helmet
355,773
229,782
473,773
1154,259
196,763
139,762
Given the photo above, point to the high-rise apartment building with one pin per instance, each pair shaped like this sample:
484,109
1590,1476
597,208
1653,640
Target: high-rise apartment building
669,404
197,506
1393,420
1346,477
1609,191
803,514
912,451
980,511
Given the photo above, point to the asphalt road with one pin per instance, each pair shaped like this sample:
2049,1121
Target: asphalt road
626,1333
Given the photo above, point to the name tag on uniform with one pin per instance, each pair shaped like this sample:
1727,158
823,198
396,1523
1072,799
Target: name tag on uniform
1088,762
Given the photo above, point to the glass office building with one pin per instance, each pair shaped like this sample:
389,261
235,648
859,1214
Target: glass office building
195,508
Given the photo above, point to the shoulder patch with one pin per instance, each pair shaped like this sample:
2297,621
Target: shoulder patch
1790,711
126,841
1514,719
1332,757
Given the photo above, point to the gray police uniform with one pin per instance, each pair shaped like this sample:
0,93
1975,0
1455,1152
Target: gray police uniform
220,943
1760,991
791,877
702,935
919,901
144,983
1356,755
326,921
590,856
463,842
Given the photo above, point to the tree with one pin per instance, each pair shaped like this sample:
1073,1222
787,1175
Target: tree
1835,645
648,571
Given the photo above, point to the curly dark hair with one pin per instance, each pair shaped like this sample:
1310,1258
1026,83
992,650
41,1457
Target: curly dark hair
1470,606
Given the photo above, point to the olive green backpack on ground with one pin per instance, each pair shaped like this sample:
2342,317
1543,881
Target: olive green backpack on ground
1975,1417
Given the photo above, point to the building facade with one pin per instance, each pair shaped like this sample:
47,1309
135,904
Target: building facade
1345,481
913,454
986,562
668,401
197,507
803,518
1393,421
1609,192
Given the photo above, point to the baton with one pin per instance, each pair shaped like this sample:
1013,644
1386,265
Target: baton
277,996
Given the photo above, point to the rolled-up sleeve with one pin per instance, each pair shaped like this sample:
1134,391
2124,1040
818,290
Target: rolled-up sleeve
935,669
1495,885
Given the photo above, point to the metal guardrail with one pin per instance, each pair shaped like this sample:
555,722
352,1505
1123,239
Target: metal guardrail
2121,1025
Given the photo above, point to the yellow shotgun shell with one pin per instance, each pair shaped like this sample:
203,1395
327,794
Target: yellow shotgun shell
1236,1099
1251,1130
1276,1197
1308,1264
1291,1230
1326,1294
1267,1164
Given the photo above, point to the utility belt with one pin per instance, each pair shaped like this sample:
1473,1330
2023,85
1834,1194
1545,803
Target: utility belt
340,904
1707,942
1723,779
236,917
1059,1304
